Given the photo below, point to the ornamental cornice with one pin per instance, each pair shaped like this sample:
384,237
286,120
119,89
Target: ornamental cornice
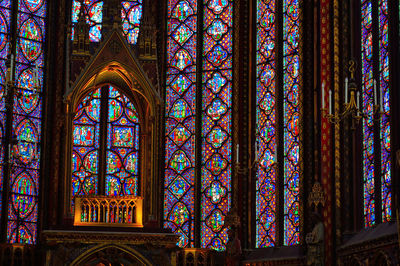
92,237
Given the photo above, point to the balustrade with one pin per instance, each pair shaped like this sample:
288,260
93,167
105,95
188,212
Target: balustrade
120,211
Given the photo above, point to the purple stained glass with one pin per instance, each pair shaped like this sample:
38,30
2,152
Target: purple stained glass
93,12
122,131
131,16
5,17
291,122
26,123
30,41
266,200
368,122
32,6
86,139
123,139
386,179
216,129
180,120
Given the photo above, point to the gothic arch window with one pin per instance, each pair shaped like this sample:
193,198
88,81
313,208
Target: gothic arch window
131,15
21,60
106,145
376,164
277,130
198,121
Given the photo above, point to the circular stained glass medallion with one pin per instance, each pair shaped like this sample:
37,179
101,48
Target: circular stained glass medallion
23,189
30,100
31,35
27,141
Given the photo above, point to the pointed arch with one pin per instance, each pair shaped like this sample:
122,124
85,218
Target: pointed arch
134,254
115,66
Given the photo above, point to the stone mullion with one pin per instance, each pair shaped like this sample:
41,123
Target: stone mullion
394,95
250,241
53,114
310,103
245,191
198,130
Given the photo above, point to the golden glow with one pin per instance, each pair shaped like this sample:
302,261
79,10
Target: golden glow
119,211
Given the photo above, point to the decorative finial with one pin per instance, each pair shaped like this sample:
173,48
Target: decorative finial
352,68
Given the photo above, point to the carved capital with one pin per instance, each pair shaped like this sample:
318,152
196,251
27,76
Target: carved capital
317,195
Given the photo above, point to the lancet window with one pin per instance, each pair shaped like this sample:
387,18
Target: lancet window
21,76
376,164
277,123
106,145
198,121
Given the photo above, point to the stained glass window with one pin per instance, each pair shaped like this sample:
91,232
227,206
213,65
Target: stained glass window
93,12
85,150
182,98
267,132
375,165
131,15
179,193
266,199
291,119
123,139
386,193
120,138
5,17
26,122
368,123
216,122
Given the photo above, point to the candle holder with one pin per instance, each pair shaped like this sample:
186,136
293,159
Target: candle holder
13,90
15,149
352,107
254,164
244,170
19,92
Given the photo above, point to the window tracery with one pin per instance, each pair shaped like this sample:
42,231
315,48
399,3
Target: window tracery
106,133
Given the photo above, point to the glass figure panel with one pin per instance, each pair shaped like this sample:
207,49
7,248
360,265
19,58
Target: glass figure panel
266,200
216,171
27,114
85,150
385,136
291,115
131,15
123,139
180,112
93,12
5,17
367,105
